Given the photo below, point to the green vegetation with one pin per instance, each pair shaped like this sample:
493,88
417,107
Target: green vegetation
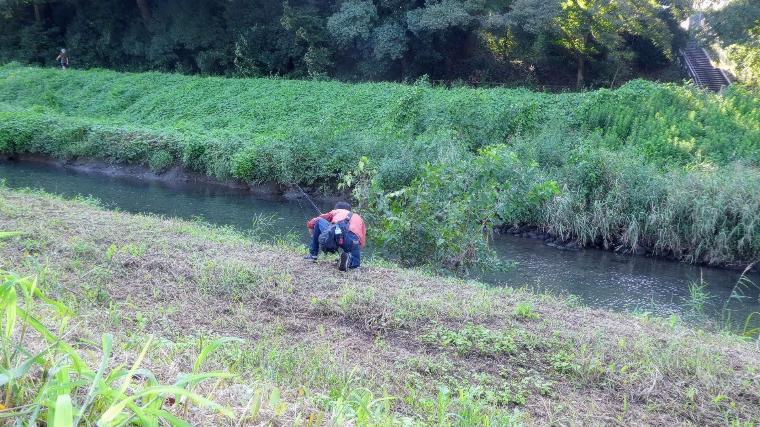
736,29
55,385
384,347
535,42
659,168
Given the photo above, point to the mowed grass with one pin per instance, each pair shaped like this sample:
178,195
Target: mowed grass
383,346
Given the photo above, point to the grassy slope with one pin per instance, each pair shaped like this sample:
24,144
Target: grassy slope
70,115
321,335
215,125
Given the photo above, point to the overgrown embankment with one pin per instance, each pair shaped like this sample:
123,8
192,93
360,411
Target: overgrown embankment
334,345
650,168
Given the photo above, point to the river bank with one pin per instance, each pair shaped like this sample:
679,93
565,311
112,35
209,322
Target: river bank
599,278
319,335
179,177
656,167
175,176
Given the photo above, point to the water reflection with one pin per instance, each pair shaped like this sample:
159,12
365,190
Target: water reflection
606,279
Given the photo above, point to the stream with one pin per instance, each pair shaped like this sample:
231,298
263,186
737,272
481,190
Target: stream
598,278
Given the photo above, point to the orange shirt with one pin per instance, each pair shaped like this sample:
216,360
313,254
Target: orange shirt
356,225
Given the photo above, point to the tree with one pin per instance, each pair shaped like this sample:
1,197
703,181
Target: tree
737,28
389,41
445,34
471,40
144,8
584,25
589,26
534,16
731,24
353,22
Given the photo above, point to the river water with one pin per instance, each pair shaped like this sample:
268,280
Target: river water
598,278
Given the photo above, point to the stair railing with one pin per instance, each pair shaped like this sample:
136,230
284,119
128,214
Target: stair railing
690,69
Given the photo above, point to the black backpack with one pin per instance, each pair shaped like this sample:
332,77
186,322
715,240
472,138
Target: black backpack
329,241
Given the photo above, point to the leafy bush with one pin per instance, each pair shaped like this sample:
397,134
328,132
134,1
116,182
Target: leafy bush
437,220
160,160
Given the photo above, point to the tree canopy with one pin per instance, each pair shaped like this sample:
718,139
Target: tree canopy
737,28
549,41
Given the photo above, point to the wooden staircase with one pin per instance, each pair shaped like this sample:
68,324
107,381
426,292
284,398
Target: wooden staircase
700,69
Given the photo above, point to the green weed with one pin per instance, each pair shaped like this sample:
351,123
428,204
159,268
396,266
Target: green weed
70,392
526,310
563,362
473,339
231,279
698,296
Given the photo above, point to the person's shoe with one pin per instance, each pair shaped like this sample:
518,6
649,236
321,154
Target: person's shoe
345,261
310,257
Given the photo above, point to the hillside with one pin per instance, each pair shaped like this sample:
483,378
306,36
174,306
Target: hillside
383,346
187,117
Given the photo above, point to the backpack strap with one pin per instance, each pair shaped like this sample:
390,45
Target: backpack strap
348,221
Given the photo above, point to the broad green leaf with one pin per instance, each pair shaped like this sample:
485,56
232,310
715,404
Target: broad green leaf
193,379
55,387
115,374
167,416
107,341
62,309
62,379
112,412
79,364
10,234
64,412
274,397
10,312
139,412
256,404
136,365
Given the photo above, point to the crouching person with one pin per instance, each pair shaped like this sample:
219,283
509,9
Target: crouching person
339,228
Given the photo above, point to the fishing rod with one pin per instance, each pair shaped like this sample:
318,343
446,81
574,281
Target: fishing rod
309,199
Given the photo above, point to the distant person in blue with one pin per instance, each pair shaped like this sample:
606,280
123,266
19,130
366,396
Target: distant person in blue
352,244
63,59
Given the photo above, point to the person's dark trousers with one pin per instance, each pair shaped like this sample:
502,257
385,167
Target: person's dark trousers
320,226
352,246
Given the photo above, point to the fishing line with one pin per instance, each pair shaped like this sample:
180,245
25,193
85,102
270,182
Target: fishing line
309,199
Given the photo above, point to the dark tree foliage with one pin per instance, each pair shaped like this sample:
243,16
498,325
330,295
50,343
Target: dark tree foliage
736,27
541,41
